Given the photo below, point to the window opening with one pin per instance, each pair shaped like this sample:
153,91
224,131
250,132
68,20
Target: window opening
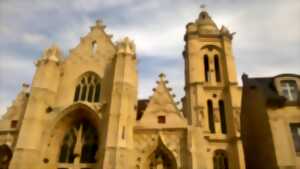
222,116
289,89
206,68
88,88
217,68
161,119
14,124
295,128
211,116
220,160
94,47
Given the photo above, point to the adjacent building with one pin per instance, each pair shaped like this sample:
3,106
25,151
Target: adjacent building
270,122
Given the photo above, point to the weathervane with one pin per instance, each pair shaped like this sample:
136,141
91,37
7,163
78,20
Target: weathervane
203,7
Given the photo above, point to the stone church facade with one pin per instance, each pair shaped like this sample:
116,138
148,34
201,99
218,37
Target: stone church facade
82,111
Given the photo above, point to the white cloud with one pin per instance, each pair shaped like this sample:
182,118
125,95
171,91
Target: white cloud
35,39
265,43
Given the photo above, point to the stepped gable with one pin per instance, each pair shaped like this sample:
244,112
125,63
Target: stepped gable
162,105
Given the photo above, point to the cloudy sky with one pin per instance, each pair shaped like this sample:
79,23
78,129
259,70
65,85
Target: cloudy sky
267,40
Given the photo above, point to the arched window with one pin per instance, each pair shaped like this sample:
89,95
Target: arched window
217,68
67,148
88,88
81,141
206,67
220,160
211,122
222,116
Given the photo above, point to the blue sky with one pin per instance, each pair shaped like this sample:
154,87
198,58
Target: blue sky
267,40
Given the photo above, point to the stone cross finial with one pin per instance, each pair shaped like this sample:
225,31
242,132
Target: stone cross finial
162,76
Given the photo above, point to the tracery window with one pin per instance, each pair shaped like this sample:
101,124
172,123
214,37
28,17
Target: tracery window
220,160
88,88
289,89
79,146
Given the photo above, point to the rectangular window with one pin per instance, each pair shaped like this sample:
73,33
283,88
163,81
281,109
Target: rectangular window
289,89
14,123
295,128
161,119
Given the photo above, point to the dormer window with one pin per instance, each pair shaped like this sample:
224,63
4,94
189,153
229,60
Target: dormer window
289,89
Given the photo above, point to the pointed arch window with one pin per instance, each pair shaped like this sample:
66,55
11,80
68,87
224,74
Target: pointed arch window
222,116
206,67
81,142
88,88
220,160
94,47
211,121
217,68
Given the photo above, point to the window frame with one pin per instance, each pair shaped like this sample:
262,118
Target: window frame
83,86
295,126
277,82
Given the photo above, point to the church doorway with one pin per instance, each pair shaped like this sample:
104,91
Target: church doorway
74,140
5,156
162,158
79,147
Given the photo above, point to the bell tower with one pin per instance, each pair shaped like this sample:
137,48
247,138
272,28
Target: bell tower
212,95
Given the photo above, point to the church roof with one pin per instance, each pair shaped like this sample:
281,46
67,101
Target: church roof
267,86
141,106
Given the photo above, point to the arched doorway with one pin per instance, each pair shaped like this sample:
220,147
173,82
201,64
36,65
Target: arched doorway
74,140
79,146
5,156
162,158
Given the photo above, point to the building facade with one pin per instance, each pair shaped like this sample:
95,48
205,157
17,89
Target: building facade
82,111
270,122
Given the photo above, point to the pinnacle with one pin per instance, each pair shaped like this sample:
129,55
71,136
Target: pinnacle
99,25
126,46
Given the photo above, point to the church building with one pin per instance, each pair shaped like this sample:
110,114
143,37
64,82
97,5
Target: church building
81,111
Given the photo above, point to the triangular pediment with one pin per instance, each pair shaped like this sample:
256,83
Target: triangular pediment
162,105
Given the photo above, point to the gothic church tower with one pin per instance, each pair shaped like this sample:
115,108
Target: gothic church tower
212,100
